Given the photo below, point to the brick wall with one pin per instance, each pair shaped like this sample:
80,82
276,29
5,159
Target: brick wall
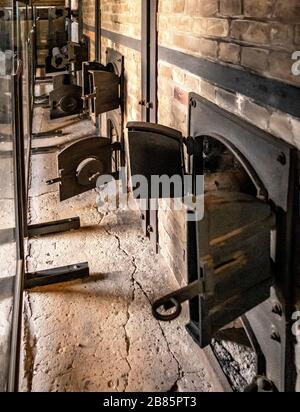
259,35
120,16
132,61
254,35
124,17
88,15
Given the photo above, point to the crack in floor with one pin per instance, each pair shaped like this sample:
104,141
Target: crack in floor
136,283
31,340
127,337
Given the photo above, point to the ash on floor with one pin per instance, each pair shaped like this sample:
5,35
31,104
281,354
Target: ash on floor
238,363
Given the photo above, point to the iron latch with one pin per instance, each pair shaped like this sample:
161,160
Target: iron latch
176,299
54,181
194,146
89,96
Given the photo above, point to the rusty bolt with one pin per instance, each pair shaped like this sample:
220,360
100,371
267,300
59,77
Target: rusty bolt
150,229
282,159
277,309
193,102
276,337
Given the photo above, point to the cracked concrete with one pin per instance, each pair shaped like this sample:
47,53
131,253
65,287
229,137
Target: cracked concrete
98,334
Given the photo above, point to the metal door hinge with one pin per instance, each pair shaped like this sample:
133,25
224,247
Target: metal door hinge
147,105
54,181
194,146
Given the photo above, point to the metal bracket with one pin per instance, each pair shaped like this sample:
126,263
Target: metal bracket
46,135
59,226
57,275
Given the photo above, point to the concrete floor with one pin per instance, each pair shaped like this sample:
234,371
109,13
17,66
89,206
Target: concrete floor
99,334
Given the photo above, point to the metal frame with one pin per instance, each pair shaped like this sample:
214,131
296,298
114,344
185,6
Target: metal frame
97,31
19,168
57,275
59,226
149,50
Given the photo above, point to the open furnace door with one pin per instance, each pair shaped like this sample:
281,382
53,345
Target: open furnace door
81,164
228,248
155,151
101,87
229,254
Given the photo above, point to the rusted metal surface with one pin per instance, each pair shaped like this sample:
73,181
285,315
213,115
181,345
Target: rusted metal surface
233,244
103,85
273,167
81,164
233,248
65,101
106,90
242,257
155,150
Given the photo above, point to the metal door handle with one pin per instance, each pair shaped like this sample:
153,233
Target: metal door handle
175,300
53,181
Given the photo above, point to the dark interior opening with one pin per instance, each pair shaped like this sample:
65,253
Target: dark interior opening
223,171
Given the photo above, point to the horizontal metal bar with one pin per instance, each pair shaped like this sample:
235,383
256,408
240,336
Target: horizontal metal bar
42,96
40,80
50,228
45,149
48,134
57,275
43,105
263,90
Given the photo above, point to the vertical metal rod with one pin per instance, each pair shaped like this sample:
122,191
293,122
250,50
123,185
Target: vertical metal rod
97,32
14,367
149,96
80,20
20,207
98,53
